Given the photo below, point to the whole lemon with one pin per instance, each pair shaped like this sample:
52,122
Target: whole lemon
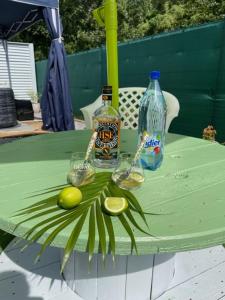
69,197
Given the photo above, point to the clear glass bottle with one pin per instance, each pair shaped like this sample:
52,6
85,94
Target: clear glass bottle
152,121
106,122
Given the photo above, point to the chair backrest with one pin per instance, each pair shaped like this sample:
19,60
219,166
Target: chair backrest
129,100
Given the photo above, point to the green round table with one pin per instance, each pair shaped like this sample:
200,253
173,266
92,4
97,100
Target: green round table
187,191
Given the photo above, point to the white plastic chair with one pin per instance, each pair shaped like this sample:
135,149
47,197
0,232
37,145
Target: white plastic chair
129,99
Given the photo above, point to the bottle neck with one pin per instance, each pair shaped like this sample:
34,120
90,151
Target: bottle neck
107,99
154,84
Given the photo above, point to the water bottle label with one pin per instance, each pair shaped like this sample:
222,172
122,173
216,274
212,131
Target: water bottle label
153,144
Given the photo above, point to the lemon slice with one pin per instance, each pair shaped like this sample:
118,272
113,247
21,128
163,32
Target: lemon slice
133,180
115,205
139,178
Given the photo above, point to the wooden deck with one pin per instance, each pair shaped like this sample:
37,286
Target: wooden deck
24,128
200,275
28,128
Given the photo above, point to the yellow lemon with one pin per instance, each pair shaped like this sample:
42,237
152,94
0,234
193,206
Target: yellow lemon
115,205
69,197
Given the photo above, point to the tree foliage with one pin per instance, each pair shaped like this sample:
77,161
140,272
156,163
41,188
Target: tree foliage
137,18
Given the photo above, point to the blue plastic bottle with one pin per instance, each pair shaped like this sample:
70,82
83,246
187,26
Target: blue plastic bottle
152,120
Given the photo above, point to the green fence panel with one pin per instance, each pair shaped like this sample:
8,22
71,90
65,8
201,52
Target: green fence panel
85,77
188,60
41,68
219,123
192,65
219,103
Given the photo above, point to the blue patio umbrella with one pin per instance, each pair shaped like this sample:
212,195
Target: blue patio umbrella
16,15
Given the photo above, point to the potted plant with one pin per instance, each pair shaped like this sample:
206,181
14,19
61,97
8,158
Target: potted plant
34,96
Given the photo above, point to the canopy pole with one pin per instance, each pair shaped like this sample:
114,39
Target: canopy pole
6,49
106,16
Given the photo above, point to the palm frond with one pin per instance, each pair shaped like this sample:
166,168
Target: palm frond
129,231
133,221
91,234
5,239
101,229
135,204
56,220
52,236
112,242
73,239
38,215
91,209
44,204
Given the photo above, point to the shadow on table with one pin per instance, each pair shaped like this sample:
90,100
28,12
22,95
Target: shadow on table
13,285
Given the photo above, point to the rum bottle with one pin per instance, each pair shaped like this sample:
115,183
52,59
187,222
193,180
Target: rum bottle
106,122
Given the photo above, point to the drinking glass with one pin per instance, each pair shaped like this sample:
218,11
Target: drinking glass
129,175
80,173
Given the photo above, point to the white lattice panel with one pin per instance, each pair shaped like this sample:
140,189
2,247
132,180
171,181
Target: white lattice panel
129,100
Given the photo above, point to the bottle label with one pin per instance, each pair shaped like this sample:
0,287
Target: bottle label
107,97
107,141
153,144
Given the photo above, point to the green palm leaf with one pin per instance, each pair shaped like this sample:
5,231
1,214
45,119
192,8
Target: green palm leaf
5,239
39,233
112,242
129,231
92,207
101,229
91,234
149,213
49,190
56,218
135,204
52,236
133,221
73,239
51,201
43,213
68,215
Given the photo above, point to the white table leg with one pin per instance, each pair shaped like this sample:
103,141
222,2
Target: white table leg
132,277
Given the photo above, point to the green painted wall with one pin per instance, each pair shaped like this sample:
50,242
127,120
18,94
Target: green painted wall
192,64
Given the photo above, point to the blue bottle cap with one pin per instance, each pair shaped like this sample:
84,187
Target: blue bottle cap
155,75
